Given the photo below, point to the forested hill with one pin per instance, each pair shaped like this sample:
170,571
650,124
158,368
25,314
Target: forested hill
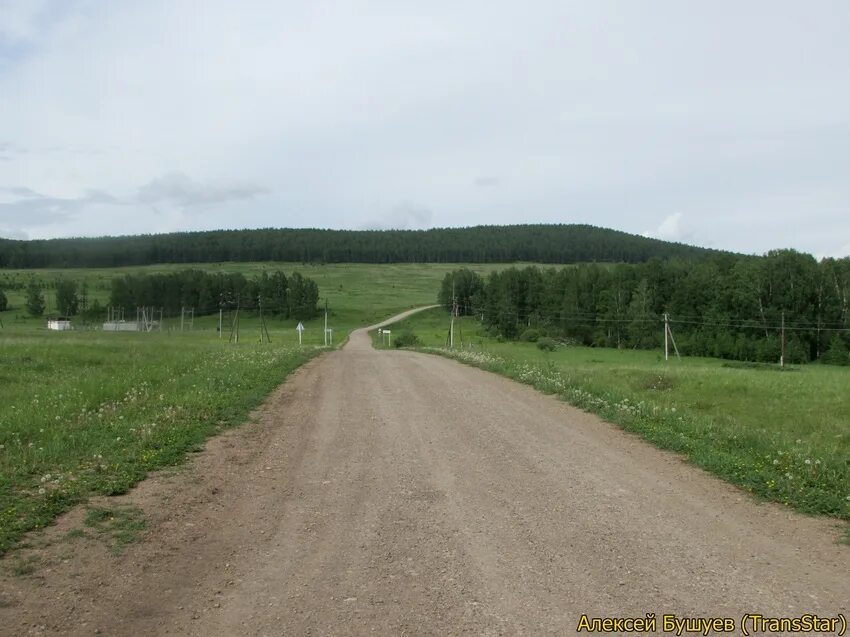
480,244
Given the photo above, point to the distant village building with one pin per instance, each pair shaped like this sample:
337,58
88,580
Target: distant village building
60,324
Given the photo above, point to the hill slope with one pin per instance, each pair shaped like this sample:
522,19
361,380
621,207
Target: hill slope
480,244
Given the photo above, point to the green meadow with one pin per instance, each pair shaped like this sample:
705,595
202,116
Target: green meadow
357,294
781,435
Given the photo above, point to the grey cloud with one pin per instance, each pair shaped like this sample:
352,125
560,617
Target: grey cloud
19,191
8,151
13,233
178,189
31,208
36,210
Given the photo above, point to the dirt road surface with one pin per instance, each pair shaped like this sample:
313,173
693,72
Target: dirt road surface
397,493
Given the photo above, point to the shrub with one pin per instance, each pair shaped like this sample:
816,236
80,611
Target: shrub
837,354
407,339
531,335
547,344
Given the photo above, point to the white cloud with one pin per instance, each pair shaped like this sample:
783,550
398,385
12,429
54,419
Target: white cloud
672,228
404,216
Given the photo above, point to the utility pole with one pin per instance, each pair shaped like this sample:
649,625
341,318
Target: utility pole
454,311
326,321
782,339
669,332
220,312
234,326
264,331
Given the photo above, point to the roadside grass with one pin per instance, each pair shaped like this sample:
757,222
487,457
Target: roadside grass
24,565
92,413
781,436
117,526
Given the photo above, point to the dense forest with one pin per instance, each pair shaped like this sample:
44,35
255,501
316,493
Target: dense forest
481,244
288,297
724,306
201,292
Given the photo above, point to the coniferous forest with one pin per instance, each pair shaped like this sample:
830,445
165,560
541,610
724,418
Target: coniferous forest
723,306
481,244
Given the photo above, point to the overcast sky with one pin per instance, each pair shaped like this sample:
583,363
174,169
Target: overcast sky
724,124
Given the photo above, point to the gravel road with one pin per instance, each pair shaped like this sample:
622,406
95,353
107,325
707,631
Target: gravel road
397,493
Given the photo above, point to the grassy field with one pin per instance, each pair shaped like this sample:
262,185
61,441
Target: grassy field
782,435
91,412
358,294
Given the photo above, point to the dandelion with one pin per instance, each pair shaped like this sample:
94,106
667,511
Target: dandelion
808,461
775,461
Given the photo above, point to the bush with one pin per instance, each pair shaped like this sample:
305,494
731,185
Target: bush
837,354
407,339
547,344
531,335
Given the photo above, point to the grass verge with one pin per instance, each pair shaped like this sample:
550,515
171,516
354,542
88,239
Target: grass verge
92,414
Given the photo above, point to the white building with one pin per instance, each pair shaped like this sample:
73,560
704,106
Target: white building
60,324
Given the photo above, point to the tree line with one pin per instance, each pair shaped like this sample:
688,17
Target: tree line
481,244
723,306
294,296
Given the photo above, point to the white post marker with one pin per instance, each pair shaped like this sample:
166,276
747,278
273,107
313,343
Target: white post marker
299,328
329,336
389,337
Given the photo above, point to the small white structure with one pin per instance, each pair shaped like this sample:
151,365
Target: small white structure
120,326
60,324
